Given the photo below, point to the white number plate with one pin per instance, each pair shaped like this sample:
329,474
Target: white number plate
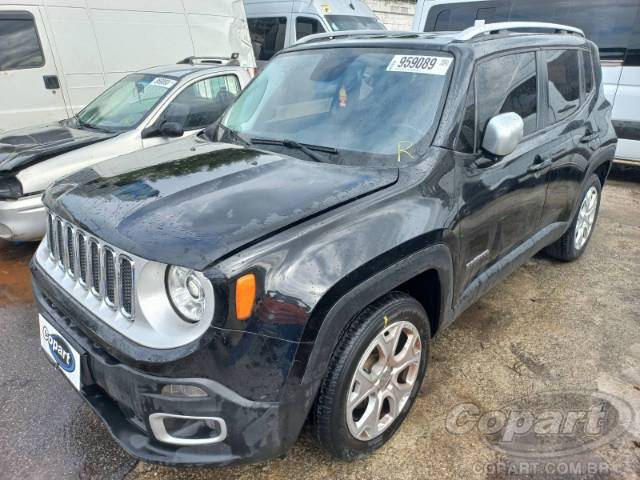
420,64
66,358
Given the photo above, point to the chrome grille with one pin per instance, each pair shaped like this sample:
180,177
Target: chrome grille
82,258
126,285
94,265
94,254
109,276
60,241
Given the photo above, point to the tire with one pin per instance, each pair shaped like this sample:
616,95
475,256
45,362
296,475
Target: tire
569,247
400,319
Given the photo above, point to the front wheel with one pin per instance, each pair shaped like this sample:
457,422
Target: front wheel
374,377
574,242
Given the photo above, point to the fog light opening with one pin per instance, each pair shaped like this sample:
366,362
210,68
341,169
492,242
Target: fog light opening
187,430
183,391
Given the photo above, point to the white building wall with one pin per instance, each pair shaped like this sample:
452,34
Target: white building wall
395,14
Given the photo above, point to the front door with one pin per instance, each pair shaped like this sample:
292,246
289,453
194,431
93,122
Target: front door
196,106
29,83
501,198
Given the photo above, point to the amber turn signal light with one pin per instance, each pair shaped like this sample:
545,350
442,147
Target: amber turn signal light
245,295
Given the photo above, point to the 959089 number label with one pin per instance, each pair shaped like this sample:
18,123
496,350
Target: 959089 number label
429,65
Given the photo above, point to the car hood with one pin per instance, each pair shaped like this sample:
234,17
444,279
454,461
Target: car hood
26,146
192,202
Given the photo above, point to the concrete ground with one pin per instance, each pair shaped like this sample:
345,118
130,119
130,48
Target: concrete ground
550,327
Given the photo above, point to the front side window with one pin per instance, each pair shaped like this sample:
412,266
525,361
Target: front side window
375,106
508,84
202,103
267,36
564,83
352,22
19,42
125,104
307,26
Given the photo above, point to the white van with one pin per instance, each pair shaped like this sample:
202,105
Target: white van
277,24
613,25
57,55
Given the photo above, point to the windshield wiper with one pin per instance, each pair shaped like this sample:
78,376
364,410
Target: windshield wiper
236,136
91,127
303,147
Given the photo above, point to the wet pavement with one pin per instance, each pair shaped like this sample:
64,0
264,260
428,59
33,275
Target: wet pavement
551,334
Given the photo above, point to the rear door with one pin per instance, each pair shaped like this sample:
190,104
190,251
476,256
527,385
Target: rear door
570,128
29,80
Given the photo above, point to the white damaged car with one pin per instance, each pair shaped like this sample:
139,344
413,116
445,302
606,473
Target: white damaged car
144,109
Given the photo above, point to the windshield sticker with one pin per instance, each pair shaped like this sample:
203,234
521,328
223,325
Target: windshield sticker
163,82
419,64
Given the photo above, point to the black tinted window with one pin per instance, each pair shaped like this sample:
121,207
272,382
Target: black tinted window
307,26
267,36
19,43
453,17
508,84
564,83
588,71
609,24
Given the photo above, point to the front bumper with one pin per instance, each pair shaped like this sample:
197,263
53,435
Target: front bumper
125,397
23,219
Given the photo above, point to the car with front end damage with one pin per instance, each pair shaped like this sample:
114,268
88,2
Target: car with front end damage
142,110
294,260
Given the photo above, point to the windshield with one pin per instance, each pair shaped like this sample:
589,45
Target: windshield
375,106
350,22
125,104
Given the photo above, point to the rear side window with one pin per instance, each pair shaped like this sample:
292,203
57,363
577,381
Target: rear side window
307,26
267,36
19,43
508,84
564,83
587,63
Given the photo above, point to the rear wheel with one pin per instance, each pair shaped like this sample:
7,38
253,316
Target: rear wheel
574,242
374,377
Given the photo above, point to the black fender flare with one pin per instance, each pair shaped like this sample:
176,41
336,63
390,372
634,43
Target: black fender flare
436,257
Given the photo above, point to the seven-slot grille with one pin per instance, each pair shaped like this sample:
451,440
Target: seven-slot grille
93,264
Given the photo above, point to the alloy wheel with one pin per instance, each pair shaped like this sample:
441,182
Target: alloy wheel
383,381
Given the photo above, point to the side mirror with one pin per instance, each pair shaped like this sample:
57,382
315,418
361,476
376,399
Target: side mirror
171,129
503,134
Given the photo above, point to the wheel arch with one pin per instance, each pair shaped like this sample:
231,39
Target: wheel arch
412,274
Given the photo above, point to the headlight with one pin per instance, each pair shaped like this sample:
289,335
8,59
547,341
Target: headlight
186,289
10,188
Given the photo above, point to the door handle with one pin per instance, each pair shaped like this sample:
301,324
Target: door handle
539,163
51,82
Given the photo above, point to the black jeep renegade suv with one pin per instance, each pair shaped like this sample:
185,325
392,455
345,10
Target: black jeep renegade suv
292,262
